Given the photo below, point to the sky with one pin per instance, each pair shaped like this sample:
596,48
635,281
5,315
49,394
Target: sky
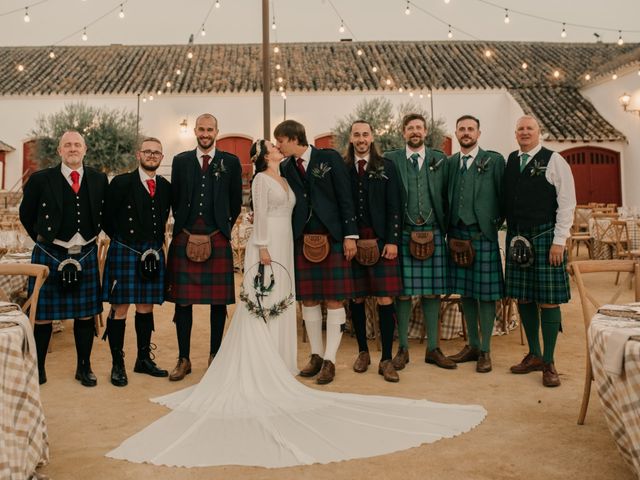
54,22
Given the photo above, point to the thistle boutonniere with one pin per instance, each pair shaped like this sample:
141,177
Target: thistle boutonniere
483,165
218,169
537,169
434,164
321,170
377,173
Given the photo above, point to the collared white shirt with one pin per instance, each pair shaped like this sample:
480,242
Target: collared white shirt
200,153
472,156
66,173
77,239
420,152
144,176
559,175
306,158
357,159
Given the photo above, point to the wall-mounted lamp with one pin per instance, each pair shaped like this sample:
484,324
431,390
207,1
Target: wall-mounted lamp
183,125
625,101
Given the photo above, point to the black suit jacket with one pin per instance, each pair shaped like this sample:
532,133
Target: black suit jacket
384,201
227,188
329,193
41,210
125,207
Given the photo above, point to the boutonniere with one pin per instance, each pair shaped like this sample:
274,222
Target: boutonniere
218,169
483,165
321,170
537,169
435,165
377,173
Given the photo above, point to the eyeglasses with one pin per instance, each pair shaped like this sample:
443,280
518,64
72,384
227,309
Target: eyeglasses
151,153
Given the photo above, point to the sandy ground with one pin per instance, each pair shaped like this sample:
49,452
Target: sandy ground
530,431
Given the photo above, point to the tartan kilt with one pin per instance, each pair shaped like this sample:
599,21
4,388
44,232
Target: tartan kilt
483,280
205,283
330,279
380,280
424,277
541,282
121,283
84,301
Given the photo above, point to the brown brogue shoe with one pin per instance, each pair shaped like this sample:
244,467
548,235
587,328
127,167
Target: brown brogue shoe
362,362
436,357
484,363
183,368
401,358
550,376
530,363
388,372
327,373
313,367
467,354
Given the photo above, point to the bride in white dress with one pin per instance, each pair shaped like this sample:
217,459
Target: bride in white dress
248,409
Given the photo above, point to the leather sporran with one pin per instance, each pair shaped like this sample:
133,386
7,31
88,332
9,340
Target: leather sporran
422,245
315,247
521,251
462,252
368,252
198,247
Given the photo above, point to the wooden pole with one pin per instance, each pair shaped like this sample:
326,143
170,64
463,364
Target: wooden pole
266,71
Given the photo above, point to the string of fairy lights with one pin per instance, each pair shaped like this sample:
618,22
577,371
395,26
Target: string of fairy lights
509,16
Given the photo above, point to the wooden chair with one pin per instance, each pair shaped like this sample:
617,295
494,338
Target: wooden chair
590,305
580,232
40,272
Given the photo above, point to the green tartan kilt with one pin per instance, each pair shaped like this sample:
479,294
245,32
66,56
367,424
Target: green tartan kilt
483,280
541,282
424,277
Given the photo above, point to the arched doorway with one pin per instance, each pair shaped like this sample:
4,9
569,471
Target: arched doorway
239,145
596,173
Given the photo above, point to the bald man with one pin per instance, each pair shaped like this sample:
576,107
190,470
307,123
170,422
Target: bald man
540,199
61,210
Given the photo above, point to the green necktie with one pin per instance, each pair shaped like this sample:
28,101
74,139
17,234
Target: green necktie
524,158
414,160
464,167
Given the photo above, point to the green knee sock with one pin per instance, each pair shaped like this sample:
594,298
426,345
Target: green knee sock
550,319
487,319
531,324
403,312
431,316
470,309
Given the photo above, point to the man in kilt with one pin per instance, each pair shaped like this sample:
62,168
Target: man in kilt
325,233
206,186
475,200
61,210
423,190
136,213
540,199
376,194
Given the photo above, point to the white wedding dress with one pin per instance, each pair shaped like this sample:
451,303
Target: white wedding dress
249,409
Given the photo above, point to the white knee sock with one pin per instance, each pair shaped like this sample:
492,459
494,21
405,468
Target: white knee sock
335,319
313,322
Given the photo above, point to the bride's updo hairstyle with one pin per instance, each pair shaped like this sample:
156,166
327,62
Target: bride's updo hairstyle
258,153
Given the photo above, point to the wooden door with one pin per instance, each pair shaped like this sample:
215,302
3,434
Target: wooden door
324,141
447,145
240,147
29,160
596,173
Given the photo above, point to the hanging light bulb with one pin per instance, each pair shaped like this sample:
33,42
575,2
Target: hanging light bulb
280,79
400,90
202,31
411,94
450,33
447,1
563,33
281,88
614,76
374,69
84,35
178,71
27,18
168,84
121,14
556,74
407,11
276,49
278,67
524,65
587,77
190,55
359,52
506,16
341,29
388,81
488,53
52,54
144,99
217,3
273,23
620,40
20,67
158,92
151,98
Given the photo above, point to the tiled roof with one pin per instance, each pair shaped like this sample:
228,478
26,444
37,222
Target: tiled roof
235,68
5,148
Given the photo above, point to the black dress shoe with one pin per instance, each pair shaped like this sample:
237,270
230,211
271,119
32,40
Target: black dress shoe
86,376
119,375
42,376
148,366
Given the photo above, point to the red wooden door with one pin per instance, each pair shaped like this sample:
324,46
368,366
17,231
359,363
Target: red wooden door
29,159
240,147
596,173
446,146
324,141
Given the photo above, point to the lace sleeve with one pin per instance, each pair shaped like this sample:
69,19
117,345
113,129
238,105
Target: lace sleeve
259,194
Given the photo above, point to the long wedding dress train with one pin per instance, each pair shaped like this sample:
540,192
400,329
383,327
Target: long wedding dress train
248,409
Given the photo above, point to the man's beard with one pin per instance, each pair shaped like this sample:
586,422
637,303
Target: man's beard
468,143
415,142
203,146
360,151
150,168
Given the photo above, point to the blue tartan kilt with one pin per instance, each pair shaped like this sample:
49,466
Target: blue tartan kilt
483,280
121,283
424,277
53,303
540,282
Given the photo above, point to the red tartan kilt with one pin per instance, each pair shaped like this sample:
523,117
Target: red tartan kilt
380,280
327,280
205,283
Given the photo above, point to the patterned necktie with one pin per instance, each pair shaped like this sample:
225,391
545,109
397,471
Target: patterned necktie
524,158
361,164
300,164
205,162
464,167
151,183
75,181
414,160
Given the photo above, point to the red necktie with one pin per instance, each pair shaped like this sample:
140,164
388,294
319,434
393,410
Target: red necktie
151,183
300,163
205,162
361,163
75,181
